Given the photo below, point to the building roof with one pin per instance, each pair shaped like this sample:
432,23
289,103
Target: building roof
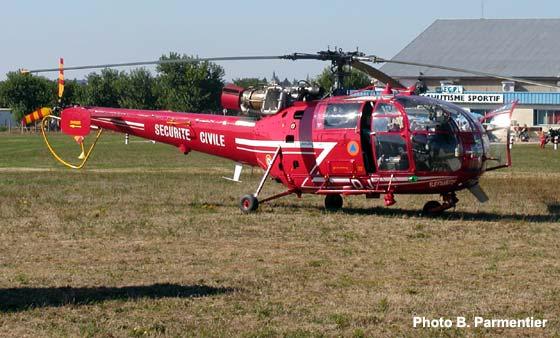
511,47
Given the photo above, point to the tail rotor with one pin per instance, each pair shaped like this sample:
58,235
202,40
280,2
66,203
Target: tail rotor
74,122
40,113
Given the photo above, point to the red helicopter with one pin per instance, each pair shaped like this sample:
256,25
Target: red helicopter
370,143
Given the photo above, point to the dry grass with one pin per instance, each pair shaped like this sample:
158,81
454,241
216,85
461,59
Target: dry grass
151,243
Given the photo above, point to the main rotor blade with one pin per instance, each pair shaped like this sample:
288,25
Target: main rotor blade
376,59
160,62
376,74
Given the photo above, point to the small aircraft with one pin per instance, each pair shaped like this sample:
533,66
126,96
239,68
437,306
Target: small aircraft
370,143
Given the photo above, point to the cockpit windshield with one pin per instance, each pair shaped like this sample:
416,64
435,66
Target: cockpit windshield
433,127
429,112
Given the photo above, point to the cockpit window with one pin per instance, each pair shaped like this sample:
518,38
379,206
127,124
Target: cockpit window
435,145
423,107
388,123
422,119
436,152
384,109
341,115
391,148
462,118
391,152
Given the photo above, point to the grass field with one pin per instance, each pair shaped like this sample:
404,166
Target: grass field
146,241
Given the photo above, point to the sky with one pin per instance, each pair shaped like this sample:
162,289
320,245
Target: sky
35,33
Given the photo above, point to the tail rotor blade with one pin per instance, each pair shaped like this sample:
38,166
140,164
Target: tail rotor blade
60,79
36,115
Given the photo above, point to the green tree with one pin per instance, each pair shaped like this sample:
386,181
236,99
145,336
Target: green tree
189,86
23,93
355,79
3,103
102,89
138,90
247,82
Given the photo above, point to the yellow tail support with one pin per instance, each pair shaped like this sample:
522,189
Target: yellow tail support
83,156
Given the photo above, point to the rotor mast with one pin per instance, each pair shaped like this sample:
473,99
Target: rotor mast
339,59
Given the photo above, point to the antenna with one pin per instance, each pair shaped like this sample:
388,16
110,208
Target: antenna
482,9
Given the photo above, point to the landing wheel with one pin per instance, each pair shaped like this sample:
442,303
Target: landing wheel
248,203
333,202
432,208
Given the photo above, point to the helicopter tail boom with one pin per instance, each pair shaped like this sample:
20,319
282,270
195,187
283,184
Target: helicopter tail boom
211,134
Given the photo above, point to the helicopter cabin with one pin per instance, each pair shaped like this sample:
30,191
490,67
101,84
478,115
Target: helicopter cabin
406,134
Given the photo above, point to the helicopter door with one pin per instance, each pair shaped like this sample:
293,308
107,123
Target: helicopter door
497,125
389,143
365,137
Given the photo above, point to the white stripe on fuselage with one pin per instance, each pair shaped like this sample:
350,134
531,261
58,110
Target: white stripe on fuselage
120,122
326,147
271,151
244,123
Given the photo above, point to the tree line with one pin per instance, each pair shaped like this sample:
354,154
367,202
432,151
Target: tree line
191,86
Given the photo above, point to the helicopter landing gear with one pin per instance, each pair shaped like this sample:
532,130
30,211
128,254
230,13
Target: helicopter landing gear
389,199
432,208
333,202
248,203
435,208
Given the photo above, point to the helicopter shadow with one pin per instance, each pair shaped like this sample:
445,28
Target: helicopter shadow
453,215
26,298
456,215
